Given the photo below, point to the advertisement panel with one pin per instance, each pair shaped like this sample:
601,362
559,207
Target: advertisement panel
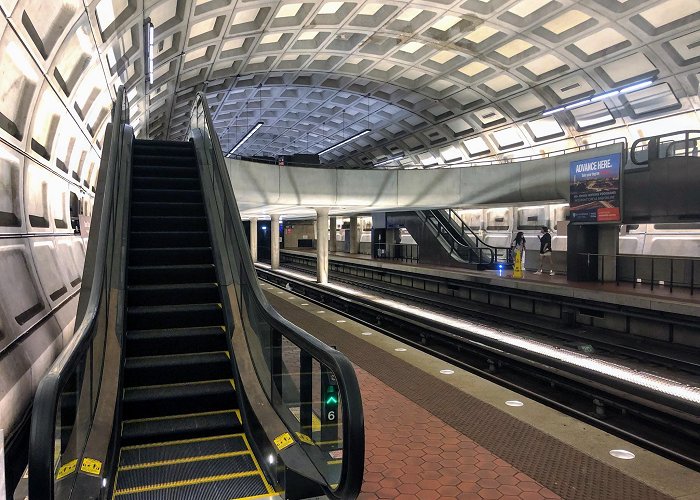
595,189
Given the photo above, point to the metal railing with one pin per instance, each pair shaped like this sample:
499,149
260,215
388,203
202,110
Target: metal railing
396,251
652,270
311,387
66,400
684,143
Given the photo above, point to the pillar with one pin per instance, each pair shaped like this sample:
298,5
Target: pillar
332,239
354,236
254,238
608,245
275,241
322,245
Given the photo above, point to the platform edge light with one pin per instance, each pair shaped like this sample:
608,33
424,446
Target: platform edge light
245,138
599,97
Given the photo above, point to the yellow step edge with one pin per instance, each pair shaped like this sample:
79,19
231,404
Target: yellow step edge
186,415
269,488
174,461
160,386
184,441
188,482
264,495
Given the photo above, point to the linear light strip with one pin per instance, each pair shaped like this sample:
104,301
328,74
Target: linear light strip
637,377
389,160
349,139
150,33
245,138
605,95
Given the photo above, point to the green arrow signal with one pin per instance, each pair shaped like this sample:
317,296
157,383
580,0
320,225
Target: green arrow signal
331,400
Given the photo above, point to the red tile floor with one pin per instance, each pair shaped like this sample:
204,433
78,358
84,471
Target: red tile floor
410,453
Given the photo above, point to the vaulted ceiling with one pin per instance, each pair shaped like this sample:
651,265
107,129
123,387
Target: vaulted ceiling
437,81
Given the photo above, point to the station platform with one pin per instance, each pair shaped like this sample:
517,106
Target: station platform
435,431
679,301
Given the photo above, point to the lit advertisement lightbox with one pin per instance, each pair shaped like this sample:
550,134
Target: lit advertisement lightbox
595,189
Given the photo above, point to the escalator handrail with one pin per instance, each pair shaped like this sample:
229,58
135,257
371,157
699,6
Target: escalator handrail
479,241
353,429
46,399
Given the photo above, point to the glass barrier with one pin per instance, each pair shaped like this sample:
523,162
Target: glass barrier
312,387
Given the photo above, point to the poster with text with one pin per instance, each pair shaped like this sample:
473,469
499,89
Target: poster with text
595,189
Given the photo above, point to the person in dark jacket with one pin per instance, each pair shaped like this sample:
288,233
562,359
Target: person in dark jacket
545,251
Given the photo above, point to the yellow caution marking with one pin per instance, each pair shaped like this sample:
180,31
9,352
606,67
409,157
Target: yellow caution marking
283,441
200,458
183,441
66,469
189,482
265,495
304,438
233,383
185,415
91,466
269,488
329,442
181,355
334,462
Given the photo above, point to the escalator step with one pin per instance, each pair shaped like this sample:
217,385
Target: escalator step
176,368
183,158
168,223
178,399
146,170
170,256
161,275
186,471
166,195
177,450
157,239
194,426
235,487
162,183
173,294
174,316
174,341
167,208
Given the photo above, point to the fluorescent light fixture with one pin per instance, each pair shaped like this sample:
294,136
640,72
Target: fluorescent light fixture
578,104
606,95
389,160
600,97
349,139
245,138
635,86
150,33
552,111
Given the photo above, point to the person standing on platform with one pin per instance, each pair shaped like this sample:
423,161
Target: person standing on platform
545,251
518,246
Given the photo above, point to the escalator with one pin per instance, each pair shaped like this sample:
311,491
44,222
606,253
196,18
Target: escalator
183,382
181,432
462,243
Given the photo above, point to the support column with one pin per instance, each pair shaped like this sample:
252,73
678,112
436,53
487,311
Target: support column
608,245
333,239
354,236
254,238
275,241
322,245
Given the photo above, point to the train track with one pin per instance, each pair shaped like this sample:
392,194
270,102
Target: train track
662,423
588,340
